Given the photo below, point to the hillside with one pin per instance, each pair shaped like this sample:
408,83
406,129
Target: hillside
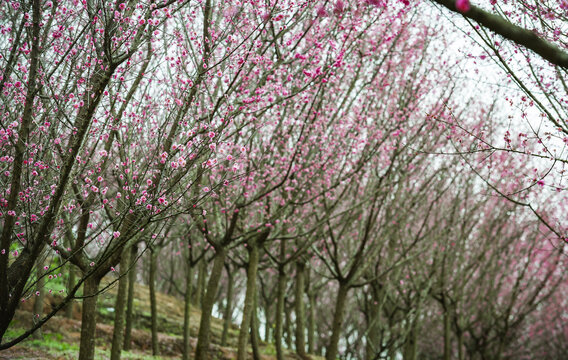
61,335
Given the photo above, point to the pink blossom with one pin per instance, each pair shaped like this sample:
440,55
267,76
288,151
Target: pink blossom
116,234
339,7
321,12
463,6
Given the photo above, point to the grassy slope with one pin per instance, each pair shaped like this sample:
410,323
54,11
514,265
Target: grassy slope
61,336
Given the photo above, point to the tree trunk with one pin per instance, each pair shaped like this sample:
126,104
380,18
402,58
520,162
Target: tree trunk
227,317
299,307
201,281
130,300
312,323
410,345
89,318
460,346
249,301
40,296
338,314
288,326
254,334
153,305
70,285
203,338
280,293
372,345
280,313
447,335
268,324
120,307
187,312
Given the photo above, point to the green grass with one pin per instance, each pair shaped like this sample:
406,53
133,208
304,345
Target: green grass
133,356
53,343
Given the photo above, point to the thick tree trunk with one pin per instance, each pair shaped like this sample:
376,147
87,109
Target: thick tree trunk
89,318
120,307
187,312
227,317
312,323
130,300
299,307
249,301
337,324
153,304
203,338
280,313
40,296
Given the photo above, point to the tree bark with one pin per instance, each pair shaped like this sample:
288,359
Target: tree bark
153,305
130,300
268,324
201,281
299,307
249,300
10,298
278,332
280,293
411,344
89,318
461,355
524,37
120,307
254,334
447,335
227,317
312,323
373,342
204,335
287,326
338,315
187,312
